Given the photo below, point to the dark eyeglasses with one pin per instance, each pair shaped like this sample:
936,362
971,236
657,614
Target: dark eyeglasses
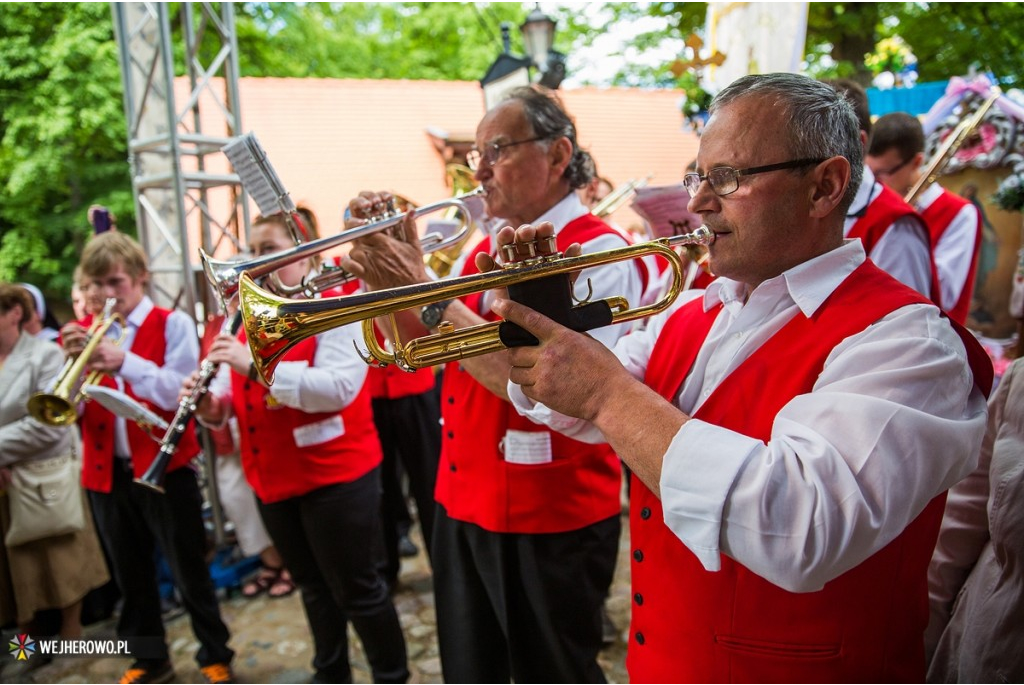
492,152
889,172
725,180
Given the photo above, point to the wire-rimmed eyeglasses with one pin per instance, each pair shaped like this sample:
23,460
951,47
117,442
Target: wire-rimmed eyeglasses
725,180
492,152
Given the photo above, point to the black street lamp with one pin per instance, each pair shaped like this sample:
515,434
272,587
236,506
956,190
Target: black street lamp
509,71
538,36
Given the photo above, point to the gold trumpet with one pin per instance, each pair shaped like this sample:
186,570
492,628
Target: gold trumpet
274,324
224,275
60,407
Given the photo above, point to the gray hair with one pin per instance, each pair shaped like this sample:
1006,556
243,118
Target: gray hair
819,121
549,120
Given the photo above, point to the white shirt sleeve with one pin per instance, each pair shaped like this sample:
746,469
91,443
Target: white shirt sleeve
334,380
161,384
955,252
904,253
848,466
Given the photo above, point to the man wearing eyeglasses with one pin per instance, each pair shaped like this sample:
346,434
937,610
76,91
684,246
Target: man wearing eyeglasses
895,236
527,526
895,155
792,429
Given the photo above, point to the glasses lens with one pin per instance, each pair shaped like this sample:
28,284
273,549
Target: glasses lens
723,180
692,183
473,159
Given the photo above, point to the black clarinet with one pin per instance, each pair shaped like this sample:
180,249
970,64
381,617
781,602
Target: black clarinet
154,475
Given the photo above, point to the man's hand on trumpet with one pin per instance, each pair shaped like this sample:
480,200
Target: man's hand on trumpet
381,260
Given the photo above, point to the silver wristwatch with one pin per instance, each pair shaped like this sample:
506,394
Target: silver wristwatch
431,314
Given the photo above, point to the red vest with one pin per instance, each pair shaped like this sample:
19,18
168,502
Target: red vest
276,465
879,216
579,487
98,423
391,382
938,216
691,625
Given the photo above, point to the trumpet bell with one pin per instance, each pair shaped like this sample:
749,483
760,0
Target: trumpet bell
52,410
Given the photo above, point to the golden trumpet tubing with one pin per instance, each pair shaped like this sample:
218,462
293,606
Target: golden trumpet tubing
274,324
59,407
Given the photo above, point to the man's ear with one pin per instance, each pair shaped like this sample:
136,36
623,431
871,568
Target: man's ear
560,154
831,178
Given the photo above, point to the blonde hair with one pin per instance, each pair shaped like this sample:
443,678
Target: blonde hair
106,251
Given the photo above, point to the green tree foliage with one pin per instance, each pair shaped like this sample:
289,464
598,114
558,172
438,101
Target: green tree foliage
62,136
62,129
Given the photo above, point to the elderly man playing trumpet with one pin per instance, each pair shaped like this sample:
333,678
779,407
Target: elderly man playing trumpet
527,526
793,428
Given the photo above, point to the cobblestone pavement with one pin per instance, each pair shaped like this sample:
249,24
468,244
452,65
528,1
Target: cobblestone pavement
273,645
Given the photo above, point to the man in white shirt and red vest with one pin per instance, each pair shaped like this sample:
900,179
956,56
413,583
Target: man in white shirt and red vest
895,155
527,528
793,428
160,349
895,236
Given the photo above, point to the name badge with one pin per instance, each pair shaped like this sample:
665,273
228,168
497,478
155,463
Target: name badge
319,432
527,447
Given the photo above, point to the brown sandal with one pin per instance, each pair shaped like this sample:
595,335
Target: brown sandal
283,585
264,579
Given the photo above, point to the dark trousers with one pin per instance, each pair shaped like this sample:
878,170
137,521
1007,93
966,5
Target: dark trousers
330,540
410,435
132,519
521,607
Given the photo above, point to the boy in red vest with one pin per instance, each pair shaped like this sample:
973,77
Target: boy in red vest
527,525
895,155
793,428
895,236
159,351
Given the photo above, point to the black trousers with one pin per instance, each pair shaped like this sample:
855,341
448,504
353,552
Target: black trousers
132,518
521,607
331,542
410,435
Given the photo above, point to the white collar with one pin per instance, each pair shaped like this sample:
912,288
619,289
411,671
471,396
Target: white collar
808,284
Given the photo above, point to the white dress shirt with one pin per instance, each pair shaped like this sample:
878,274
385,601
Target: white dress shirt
904,251
892,421
956,247
150,381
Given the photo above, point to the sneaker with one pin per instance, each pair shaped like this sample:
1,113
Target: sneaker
406,547
218,673
138,673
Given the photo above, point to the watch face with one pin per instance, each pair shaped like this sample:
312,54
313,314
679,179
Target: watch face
431,314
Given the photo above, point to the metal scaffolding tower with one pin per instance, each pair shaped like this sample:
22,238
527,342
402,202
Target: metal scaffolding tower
179,205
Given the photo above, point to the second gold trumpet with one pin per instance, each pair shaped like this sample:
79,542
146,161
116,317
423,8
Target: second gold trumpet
274,324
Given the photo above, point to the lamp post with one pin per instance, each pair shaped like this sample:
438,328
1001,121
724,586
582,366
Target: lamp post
509,71
538,36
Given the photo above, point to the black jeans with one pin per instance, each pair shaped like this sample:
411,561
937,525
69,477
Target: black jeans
331,542
521,607
131,519
410,432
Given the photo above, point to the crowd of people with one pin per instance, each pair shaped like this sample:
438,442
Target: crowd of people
789,428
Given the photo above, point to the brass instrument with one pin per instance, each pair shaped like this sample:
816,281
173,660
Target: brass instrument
274,324
441,261
60,406
224,274
613,200
154,476
954,141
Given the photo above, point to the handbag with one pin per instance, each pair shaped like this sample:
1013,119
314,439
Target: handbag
45,499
